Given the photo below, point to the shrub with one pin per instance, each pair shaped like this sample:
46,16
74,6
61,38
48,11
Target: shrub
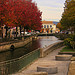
70,41
67,42
72,37
72,44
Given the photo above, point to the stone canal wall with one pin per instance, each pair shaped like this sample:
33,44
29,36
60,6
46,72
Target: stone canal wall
45,51
15,45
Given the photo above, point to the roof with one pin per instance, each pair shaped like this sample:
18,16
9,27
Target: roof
47,22
54,22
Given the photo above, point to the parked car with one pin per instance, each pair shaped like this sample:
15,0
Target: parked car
37,32
32,33
26,33
62,32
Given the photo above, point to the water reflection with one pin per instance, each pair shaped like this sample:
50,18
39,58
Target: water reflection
39,43
47,40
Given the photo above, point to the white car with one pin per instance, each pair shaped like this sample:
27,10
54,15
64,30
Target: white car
37,32
22,33
28,33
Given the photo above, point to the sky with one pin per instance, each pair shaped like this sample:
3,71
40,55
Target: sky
51,9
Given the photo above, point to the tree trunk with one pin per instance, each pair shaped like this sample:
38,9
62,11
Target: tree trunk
2,31
24,31
74,29
20,30
6,31
16,31
10,33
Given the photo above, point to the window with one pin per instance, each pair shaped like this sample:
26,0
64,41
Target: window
50,25
47,26
44,26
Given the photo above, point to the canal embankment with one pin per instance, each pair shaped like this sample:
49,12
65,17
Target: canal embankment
26,60
47,49
37,42
46,44
8,45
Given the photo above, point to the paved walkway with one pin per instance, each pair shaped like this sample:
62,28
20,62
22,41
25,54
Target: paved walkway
49,59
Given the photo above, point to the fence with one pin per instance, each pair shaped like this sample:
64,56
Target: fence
13,66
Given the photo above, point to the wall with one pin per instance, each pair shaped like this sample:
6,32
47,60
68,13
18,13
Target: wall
16,45
45,51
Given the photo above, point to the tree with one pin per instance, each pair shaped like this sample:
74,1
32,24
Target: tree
68,17
4,13
23,13
59,26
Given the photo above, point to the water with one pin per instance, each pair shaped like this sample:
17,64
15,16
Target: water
41,42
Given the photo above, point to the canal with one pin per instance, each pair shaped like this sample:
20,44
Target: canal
41,42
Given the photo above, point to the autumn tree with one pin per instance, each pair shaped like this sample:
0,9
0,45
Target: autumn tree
59,26
68,16
4,13
32,16
23,13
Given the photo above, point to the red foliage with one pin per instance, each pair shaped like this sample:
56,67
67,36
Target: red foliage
20,12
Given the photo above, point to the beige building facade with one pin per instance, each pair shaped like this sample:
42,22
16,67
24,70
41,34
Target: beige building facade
48,27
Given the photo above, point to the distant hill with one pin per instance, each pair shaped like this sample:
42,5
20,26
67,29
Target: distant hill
55,22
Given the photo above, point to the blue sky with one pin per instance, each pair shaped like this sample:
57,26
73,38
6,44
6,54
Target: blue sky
51,9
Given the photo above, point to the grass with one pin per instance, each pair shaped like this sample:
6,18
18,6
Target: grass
67,49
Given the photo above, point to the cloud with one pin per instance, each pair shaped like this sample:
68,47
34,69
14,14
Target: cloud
51,9
51,12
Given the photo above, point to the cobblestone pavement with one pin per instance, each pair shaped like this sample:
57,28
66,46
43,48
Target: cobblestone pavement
49,60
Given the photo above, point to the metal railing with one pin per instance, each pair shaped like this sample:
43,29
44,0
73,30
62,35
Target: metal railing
13,66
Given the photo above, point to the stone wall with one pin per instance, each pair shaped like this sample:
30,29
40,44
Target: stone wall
71,68
45,51
16,44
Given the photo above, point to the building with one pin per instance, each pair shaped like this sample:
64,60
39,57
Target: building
48,27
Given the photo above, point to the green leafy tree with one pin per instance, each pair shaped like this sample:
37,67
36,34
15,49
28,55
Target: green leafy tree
68,16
